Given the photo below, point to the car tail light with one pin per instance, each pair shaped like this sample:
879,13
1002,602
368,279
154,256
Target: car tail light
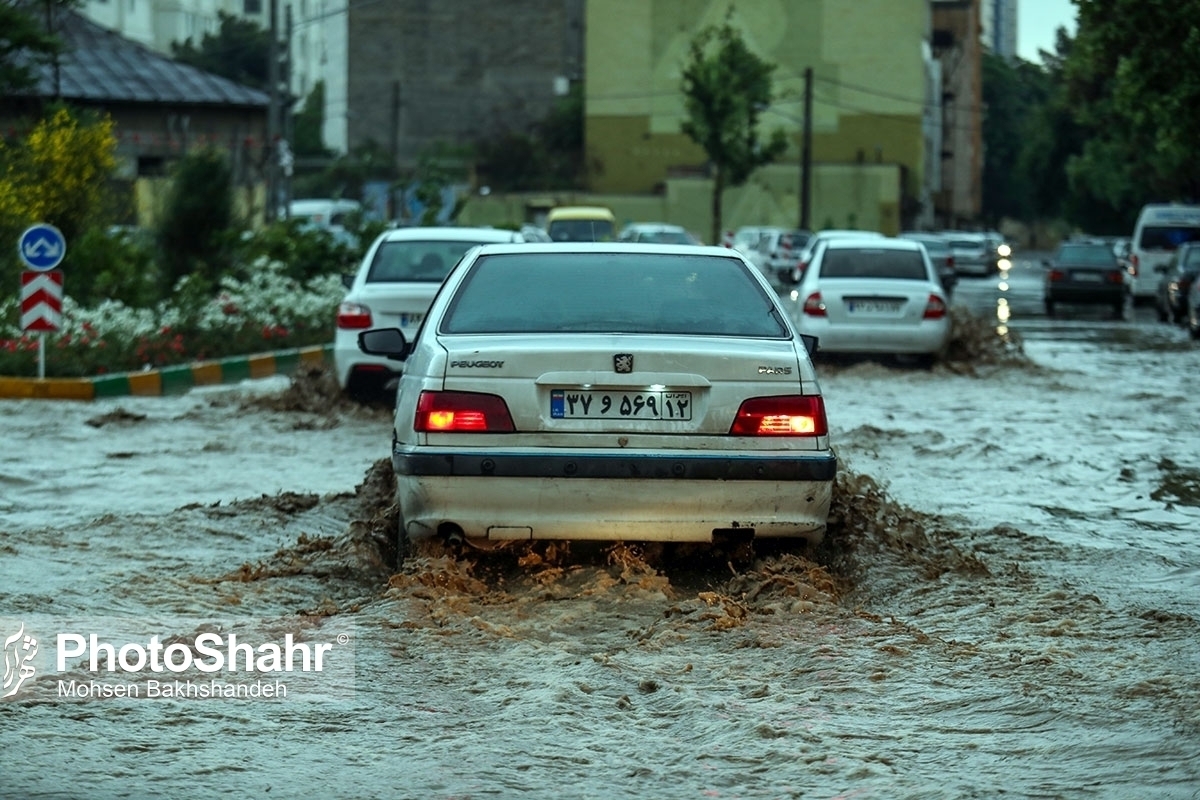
935,307
814,306
1133,263
1114,277
352,316
786,415
462,412
950,262
1056,275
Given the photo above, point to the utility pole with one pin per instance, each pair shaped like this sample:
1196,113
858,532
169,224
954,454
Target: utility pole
273,116
806,154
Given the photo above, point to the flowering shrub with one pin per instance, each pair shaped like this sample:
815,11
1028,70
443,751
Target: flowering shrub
267,311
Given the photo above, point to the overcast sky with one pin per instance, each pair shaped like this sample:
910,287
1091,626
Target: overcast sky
1037,21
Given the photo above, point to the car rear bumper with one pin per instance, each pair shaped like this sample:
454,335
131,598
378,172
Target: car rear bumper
625,497
928,337
1098,295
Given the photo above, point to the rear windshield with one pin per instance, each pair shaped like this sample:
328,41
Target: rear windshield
1163,237
581,230
932,245
415,261
867,263
553,292
665,237
966,244
795,241
1098,255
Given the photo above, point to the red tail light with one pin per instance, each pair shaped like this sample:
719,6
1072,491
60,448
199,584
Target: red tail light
352,316
935,307
462,412
1133,262
814,306
1056,275
950,262
786,415
1114,277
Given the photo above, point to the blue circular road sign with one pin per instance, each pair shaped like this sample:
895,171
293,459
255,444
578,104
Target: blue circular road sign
42,247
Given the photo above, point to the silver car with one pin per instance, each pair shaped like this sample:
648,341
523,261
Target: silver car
607,391
394,285
872,296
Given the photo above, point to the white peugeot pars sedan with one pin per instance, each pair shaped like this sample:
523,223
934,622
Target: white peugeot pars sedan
607,391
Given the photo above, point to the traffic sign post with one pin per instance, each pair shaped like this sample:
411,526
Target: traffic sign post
41,247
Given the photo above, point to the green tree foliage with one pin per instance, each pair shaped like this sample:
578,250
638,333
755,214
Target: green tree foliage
58,174
1133,78
548,157
725,88
240,51
27,40
196,227
1013,94
308,122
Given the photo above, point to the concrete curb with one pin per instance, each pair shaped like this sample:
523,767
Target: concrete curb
167,380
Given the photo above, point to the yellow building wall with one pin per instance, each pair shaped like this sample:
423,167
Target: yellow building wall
868,91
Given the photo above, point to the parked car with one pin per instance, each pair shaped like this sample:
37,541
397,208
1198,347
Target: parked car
1191,318
657,233
806,255
1160,228
868,296
974,253
649,398
752,241
1086,273
395,282
940,254
784,249
581,224
1175,278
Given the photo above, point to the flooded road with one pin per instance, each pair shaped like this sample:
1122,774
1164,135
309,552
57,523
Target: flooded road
1008,602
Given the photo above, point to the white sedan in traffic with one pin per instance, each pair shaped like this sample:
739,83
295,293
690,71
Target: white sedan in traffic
607,391
872,296
394,285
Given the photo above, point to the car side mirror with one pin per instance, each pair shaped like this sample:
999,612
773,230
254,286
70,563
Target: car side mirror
811,343
387,342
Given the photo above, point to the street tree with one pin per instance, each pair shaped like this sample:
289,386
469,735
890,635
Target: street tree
726,87
1133,78
239,51
27,40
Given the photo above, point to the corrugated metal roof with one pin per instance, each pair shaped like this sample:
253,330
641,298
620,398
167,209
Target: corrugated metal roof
102,66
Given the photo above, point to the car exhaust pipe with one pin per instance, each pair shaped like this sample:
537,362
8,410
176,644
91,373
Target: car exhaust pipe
451,534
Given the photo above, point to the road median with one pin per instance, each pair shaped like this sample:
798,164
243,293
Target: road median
167,380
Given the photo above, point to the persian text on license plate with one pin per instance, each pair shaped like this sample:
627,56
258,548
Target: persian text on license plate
567,404
872,306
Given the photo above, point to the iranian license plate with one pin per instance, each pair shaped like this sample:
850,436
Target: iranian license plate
409,320
872,306
570,404
1086,277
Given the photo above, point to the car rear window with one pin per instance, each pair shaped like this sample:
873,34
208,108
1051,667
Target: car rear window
1097,255
415,261
873,263
795,241
665,237
1167,237
554,292
966,244
581,230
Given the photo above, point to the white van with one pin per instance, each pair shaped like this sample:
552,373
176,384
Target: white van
1161,227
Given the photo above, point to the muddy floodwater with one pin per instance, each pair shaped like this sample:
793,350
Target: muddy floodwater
1007,604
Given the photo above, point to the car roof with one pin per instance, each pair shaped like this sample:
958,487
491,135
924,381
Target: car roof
451,233
608,247
837,233
874,243
579,212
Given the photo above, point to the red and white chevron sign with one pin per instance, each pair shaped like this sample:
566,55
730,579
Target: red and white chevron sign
41,300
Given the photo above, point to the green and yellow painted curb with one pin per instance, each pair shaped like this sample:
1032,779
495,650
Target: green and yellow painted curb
167,380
